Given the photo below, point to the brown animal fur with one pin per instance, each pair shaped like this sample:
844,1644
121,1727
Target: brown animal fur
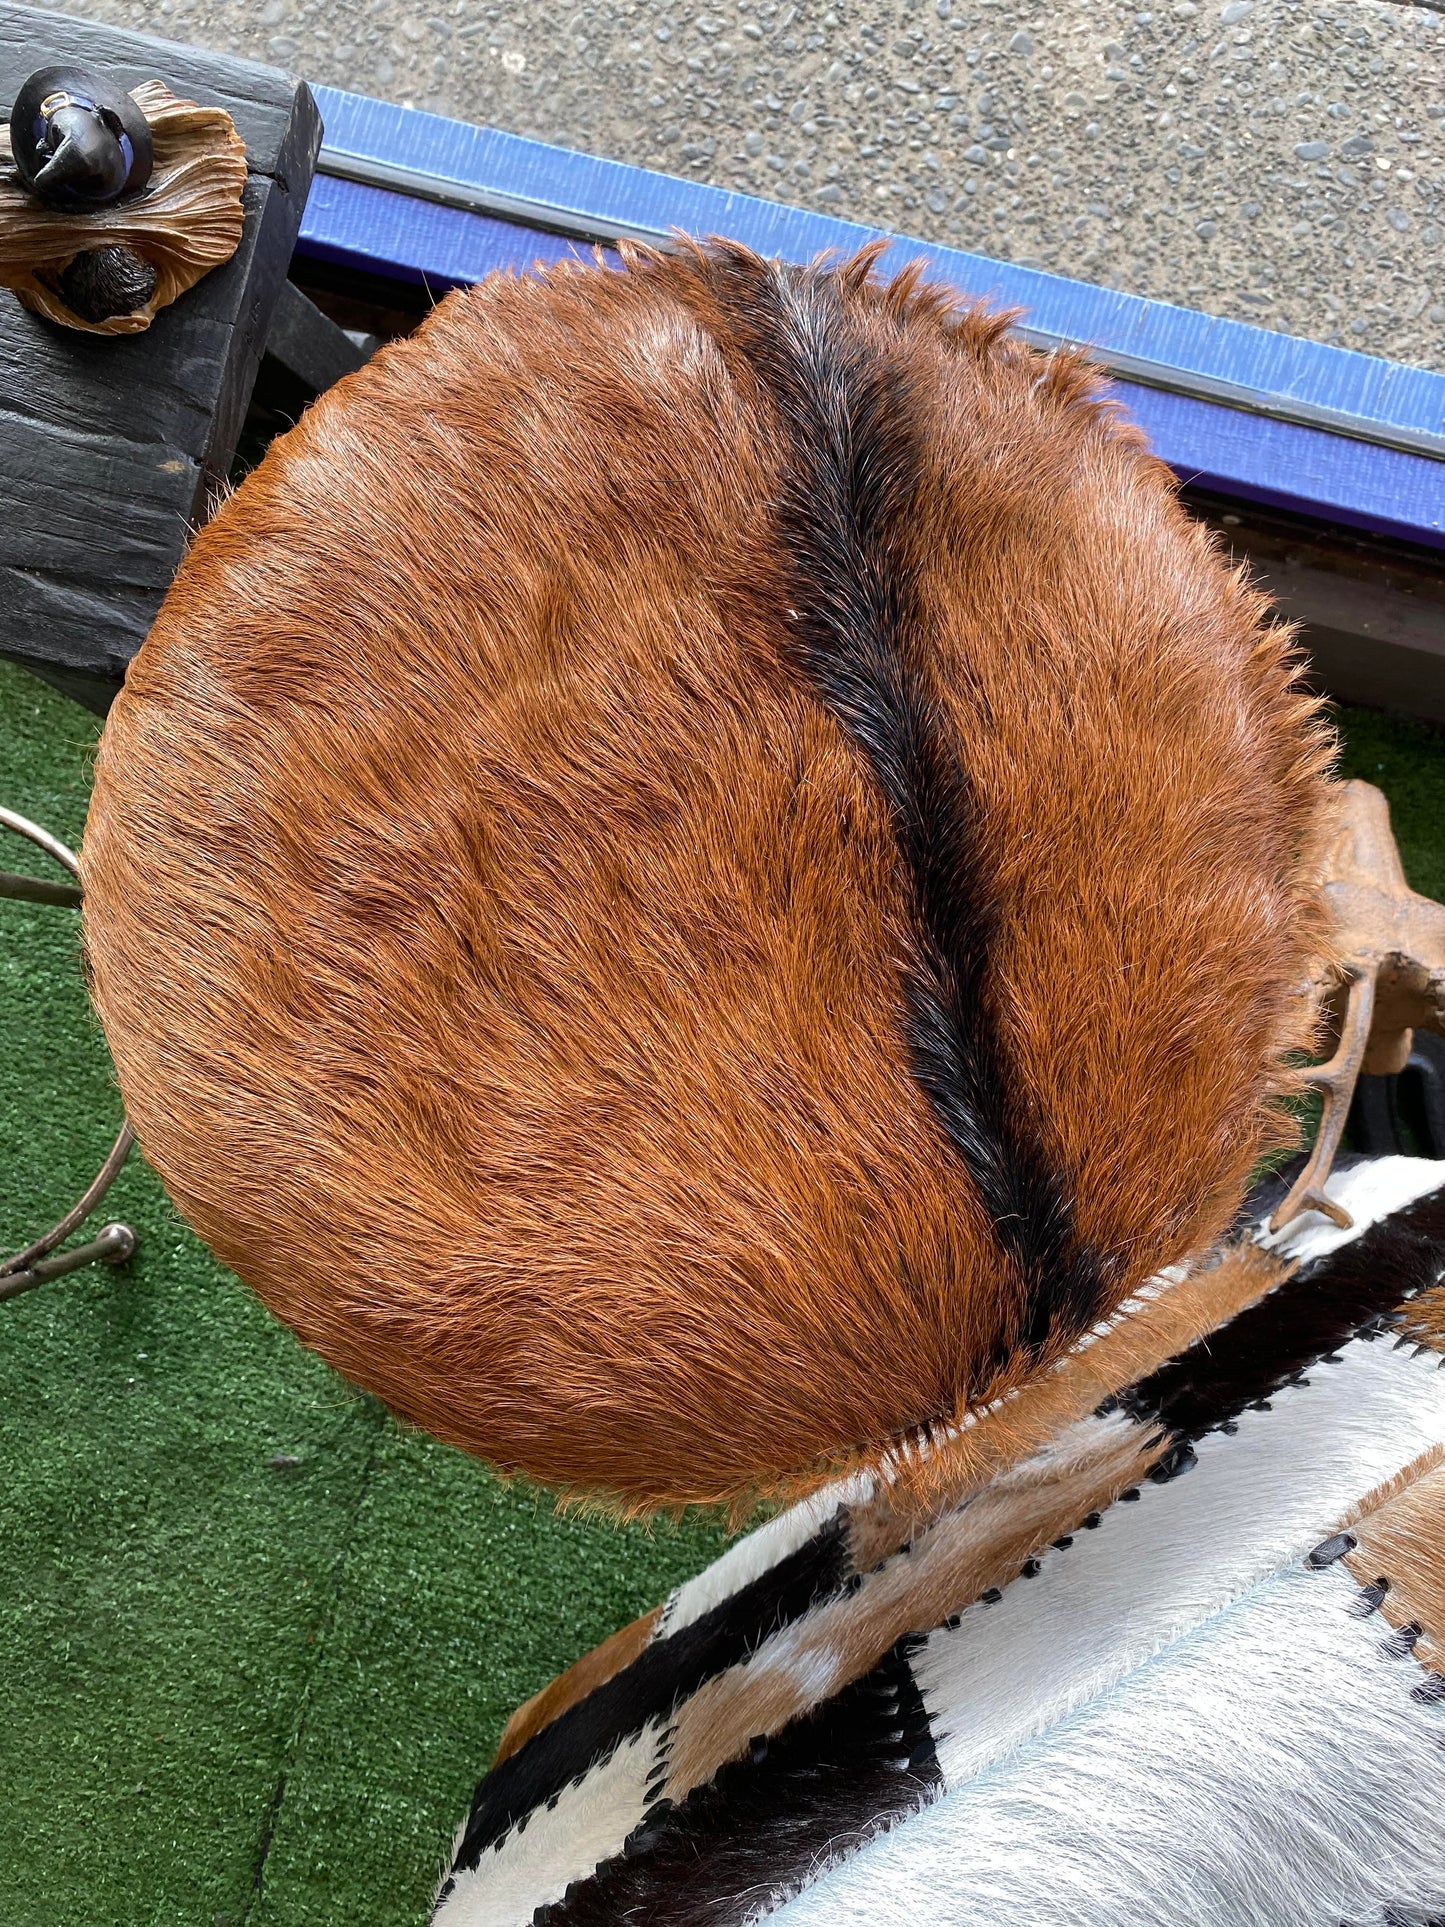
506,941
1402,1539
1424,1319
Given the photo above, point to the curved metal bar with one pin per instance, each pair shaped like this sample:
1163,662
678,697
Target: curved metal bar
111,1245
78,1213
52,845
25,889
34,1265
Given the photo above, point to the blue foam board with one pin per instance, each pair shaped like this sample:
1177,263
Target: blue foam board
1307,469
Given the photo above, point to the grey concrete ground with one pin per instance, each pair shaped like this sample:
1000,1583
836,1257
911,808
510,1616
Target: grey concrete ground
1278,160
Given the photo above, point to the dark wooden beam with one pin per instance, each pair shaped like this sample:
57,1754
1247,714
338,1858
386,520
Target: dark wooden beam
309,345
116,449
1371,612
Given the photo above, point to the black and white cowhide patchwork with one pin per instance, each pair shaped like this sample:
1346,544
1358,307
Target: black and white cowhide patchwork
1192,1704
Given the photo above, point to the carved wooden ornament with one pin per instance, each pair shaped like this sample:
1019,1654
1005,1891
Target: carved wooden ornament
186,222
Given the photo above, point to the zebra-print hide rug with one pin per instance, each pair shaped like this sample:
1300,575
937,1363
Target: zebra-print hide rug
1181,1659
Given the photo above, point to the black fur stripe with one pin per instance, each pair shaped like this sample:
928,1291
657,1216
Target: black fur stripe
1352,1290
764,1826
659,1679
852,427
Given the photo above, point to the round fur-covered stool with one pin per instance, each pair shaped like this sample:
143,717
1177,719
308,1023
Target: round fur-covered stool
702,869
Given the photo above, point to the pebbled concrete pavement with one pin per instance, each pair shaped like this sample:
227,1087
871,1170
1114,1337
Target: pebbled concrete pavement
1282,161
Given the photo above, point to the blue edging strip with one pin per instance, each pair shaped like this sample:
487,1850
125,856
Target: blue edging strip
1310,470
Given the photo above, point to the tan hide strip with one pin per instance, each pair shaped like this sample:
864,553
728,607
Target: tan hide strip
1424,1318
1026,1423
594,1669
948,1567
1402,1541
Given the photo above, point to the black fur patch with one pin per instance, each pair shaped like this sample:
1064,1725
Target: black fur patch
820,1789
1299,1325
852,430
659,1679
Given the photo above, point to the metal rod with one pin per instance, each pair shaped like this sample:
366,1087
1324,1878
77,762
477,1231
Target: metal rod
577,224
58,1233
112,1245
1249,401
38,889
551,217
33,1265
22,826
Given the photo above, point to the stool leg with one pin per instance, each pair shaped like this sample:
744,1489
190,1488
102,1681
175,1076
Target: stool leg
111,1246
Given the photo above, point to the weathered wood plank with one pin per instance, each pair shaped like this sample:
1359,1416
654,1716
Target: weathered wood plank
94,508
92,692
261,100
115,448
308,344
259,270
59,623
92,383
1378,640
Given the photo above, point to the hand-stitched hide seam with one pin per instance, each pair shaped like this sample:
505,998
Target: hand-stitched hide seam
940,1574
1030,1518
594,1669
993,1539
661,1675
1359,1290
1403,1542
1158,1331
768,1823
1426,1319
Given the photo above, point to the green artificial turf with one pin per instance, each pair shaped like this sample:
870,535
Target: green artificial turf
257,1640
231,1690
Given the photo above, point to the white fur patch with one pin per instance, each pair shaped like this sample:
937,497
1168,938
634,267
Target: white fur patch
536,1862
1155,1568
902,1593
1369,1191
670,351
749,1558
1271,1770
